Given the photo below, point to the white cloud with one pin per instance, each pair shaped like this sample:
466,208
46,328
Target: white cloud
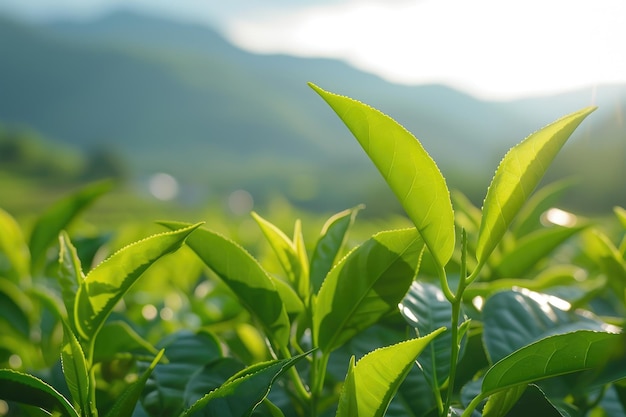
491,48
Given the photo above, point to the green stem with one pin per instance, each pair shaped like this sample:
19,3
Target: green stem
472,406
456,315
443,280
318,375
301,390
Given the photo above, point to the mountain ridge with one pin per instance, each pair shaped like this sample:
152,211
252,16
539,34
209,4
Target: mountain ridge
139,82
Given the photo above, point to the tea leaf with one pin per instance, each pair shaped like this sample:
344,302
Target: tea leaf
240,395
501,402
59,216
364,286
105,285
257,291
292,262
118,338
553,356
190,357
329,244
373,381
532,248
426,309
517,176
75,370
407,168
69,273
513,319
27,389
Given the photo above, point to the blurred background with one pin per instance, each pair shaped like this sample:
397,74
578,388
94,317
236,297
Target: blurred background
195,104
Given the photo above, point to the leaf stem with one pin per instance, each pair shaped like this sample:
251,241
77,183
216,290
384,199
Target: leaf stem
454,326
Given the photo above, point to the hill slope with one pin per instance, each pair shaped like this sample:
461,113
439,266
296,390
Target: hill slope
179,98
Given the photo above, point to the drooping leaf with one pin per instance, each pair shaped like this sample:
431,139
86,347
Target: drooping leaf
27,389
375,378
125,404
517,176
426,309
257,291
14,254
105,285
75,370
189,356
581,350
513,319
407,168
532,248
59,216
364,286
286,251
240,395
329,244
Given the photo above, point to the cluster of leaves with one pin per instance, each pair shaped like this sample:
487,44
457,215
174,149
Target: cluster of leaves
511,320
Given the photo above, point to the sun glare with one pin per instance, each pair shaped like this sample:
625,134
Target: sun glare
493,49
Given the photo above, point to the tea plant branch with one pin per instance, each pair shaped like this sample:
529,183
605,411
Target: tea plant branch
456,315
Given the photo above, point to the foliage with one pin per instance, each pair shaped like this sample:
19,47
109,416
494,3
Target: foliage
496,311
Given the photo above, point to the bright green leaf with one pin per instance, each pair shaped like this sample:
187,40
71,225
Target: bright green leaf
27,389
517,176
374,380
561,354
620,212
14,254
75,370
501,402
107,283
254,287
240,395
295,267
364,286
329,244
69,273
59,216
125,404
407,168
599,247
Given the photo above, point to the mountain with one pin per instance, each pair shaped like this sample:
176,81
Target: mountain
179,98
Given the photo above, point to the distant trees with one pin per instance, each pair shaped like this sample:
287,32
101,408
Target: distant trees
24,152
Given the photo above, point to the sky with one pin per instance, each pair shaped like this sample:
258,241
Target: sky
492,49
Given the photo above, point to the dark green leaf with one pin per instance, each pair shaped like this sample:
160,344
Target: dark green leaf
407,168
582,350
239,396
513,319
26,389
426,309
364,286
171,383
118,338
